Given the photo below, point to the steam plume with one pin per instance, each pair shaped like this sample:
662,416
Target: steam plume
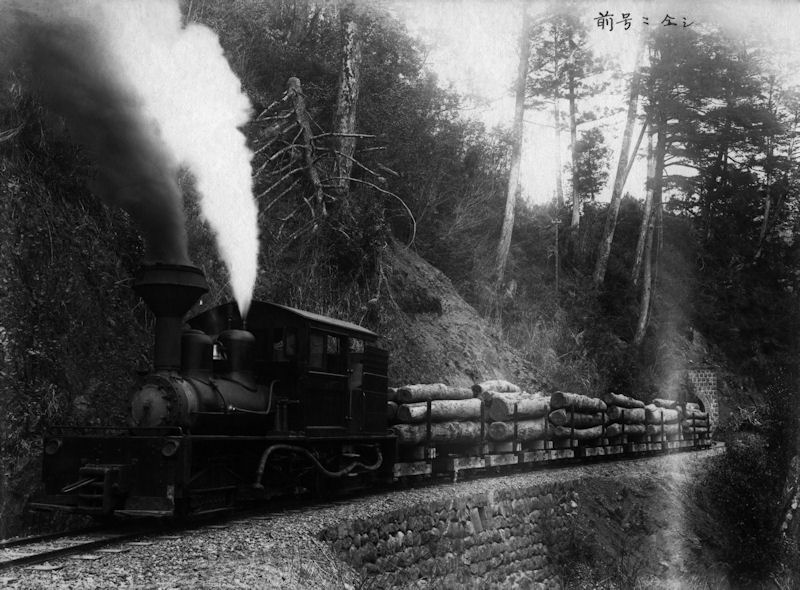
145,94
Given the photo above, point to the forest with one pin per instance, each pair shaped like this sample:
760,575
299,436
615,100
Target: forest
667,237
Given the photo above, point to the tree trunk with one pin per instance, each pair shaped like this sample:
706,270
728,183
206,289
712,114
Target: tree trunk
526,430
573,138
447,432
295,93
430,391
516,150
557,128
564,417
647,284
443,410
502,407
623,168
347,99
648,207
654,192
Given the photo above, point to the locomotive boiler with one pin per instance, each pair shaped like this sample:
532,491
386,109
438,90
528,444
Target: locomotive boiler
230,411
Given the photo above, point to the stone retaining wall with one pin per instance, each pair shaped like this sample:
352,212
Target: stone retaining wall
500,539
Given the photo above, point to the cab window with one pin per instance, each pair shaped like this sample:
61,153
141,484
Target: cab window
316,350
284,344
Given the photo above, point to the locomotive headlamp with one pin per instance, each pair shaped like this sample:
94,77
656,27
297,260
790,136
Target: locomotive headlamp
52,446
170,447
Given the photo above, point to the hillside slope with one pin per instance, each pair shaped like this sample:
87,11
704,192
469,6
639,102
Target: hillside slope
433,335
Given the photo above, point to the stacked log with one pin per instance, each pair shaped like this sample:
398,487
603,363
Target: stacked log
656,415
502,405
562,417
577,402
442,410
576,416
431,391
495,385
622,401
695,421
526,430
670,404
625,415
454,414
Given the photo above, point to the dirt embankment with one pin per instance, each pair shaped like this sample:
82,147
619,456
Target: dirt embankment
433,335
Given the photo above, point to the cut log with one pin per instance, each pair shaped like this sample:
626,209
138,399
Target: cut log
391,394
582,403
696,414
689,430
495,385
616,429
489,395
695,422
429,391
443,410
502,406
526,430
656,415
391,410
626,415
623,401
670,404
564,417
576,433
442,432
655,429
692,406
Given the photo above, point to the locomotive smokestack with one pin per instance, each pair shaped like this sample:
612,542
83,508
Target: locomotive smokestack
169,290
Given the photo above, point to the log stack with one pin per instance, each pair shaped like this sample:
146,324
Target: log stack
576,416
453,412
506,403
499,412
695,422
625,415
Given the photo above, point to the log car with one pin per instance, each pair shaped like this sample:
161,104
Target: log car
290,400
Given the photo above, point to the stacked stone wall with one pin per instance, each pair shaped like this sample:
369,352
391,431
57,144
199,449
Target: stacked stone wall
500,539
704,383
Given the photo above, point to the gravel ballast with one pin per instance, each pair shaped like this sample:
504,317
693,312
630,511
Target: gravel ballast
284,551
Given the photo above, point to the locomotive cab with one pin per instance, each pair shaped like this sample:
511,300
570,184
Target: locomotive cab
326,377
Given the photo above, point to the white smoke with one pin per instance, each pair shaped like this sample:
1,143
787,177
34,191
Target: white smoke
190,96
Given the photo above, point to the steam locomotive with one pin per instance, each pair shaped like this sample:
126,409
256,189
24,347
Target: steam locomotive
230,411
235,411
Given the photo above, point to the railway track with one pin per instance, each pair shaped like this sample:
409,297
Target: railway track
37,552
89,544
